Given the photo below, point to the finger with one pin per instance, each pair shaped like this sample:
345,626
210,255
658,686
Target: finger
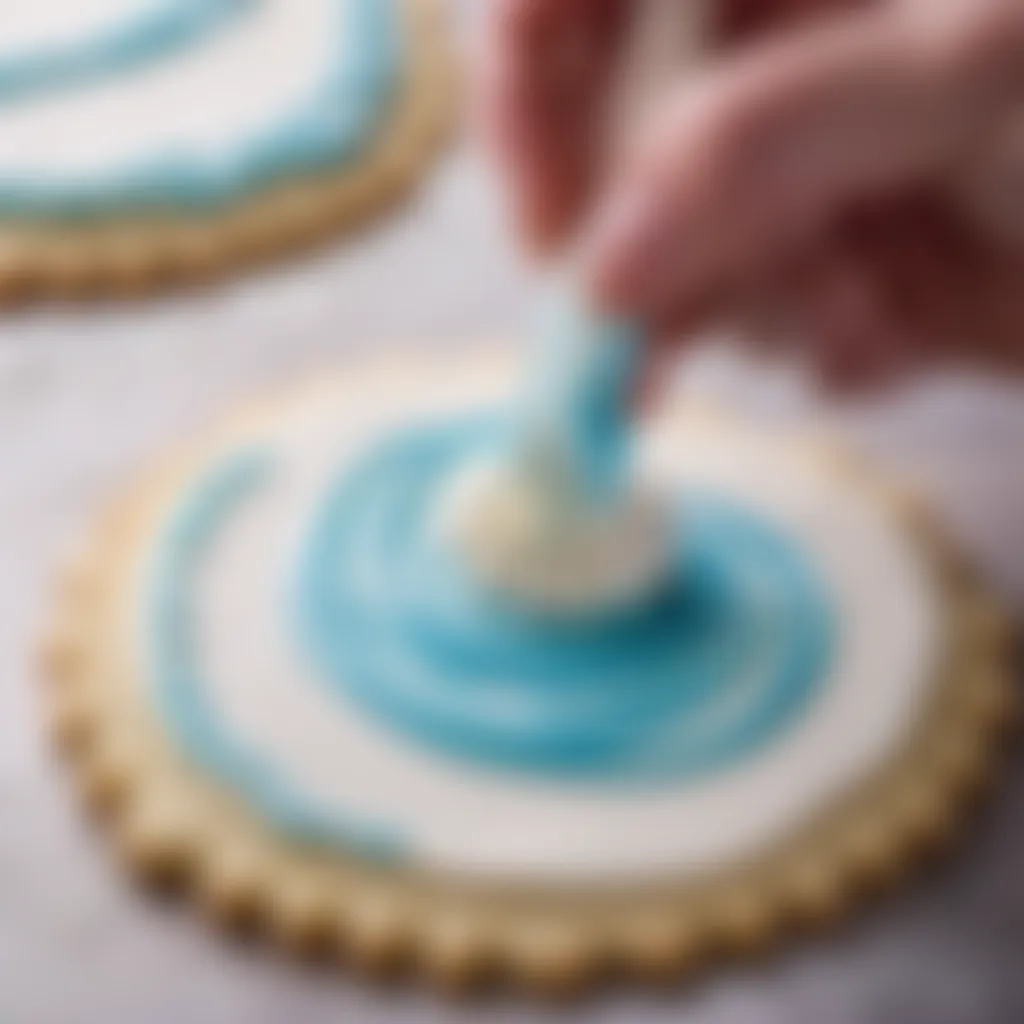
741,20
542,79
846,372
1005,349
663,343
835,319
767,311
759,153
655,376
932,269
748,304
851,335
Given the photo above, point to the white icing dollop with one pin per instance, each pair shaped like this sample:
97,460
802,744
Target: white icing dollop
544,547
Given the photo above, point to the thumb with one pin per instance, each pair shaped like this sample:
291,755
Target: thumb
760,152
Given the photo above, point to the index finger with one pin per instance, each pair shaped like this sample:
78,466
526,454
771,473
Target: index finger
542,78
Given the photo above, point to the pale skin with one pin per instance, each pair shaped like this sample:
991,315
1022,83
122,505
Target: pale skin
819,178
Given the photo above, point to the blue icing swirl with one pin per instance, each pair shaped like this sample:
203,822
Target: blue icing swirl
157,29
182,692
694,681
710,668
701,676
336,121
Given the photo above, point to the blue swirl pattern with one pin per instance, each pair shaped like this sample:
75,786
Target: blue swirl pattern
699,677
695,681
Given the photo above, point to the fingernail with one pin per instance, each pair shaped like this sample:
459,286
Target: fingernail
625,241
548,219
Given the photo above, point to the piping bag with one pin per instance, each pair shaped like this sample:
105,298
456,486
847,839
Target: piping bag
575,414
573,430
556,518
576,417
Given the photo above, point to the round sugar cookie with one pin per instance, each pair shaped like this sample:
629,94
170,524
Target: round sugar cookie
172,140
276,696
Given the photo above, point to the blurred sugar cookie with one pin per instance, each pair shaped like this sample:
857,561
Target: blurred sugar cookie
145,144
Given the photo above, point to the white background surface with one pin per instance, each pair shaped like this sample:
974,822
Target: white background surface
85,395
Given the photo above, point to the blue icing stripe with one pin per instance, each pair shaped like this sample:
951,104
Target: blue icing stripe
158,28
334,123
695,680
182,692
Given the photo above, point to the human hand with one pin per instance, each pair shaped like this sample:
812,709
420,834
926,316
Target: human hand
544,76
813,181
544,81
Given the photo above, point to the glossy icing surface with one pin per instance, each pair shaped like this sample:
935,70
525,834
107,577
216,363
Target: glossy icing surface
294,87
